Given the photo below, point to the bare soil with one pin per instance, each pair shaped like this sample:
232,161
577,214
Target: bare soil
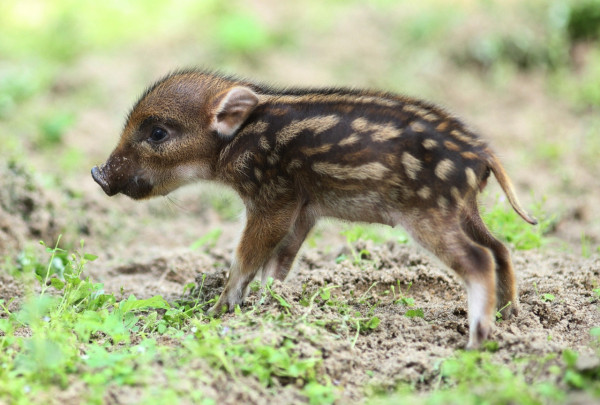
400,349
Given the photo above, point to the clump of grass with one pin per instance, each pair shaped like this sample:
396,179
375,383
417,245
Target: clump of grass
53,128
584,20
509,226
400,297
17,86
473,377
522,50
353,319
375,233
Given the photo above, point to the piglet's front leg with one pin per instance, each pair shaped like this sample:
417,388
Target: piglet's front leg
265,230
283,258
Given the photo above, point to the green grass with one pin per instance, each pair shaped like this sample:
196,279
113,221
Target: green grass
376,233
72,330
474,377
500,218
510,227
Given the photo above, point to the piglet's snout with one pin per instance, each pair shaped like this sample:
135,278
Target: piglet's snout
99,177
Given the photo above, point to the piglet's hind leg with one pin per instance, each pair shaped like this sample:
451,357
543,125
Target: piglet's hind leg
282,260
443,236
506,287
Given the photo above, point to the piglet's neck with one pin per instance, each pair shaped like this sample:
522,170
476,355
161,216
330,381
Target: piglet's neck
258,146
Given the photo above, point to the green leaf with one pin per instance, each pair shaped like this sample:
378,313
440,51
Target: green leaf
548,297
56,283
491,346
340,258
89,257
133,304
318,393
570,357
6,326
406,301
209,239
411,313
281,300
574,379
40,356
373,323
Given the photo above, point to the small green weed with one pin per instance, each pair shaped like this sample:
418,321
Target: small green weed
322,296
400,298
412,313
349,320
270,361
476,369
281,300
208,240
499,312
546,297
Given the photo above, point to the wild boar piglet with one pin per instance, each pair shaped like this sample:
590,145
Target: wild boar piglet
295,155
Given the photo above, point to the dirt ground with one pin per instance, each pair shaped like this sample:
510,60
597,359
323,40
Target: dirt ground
400,349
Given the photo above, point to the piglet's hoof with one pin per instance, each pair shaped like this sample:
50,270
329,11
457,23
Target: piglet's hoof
217,310
478,336
509,312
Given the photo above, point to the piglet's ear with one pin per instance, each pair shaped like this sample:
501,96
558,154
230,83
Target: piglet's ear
232,109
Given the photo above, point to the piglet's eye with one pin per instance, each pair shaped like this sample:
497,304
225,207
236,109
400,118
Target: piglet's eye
158,135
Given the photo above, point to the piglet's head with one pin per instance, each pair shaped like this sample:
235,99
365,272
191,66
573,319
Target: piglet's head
174,134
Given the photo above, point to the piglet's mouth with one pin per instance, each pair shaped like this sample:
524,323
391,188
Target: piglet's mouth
99,178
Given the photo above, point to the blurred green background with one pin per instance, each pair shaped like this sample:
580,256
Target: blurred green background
525,73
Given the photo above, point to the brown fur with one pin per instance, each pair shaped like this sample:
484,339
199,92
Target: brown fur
297,155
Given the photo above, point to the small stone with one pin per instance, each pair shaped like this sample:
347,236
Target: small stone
587,362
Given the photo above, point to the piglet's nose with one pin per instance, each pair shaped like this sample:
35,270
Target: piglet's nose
99,178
